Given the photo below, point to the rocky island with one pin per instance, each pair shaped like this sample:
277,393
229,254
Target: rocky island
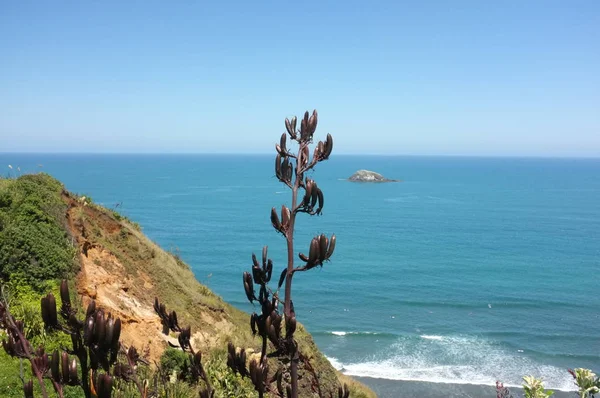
369,176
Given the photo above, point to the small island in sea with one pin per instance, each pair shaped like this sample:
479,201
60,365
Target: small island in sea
369,176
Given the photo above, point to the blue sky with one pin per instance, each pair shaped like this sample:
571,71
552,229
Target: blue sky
443,77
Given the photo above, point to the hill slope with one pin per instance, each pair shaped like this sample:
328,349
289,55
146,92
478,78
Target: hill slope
115,264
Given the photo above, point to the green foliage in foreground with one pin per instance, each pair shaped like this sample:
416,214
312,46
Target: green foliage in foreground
534,388
173,360
34,245
588,386
24,304
587,382
223,380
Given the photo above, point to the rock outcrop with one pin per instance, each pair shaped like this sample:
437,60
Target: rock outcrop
368,176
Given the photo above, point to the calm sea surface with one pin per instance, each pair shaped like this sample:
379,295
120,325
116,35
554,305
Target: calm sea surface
472,270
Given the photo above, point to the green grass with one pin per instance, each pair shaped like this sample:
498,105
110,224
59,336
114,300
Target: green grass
10,384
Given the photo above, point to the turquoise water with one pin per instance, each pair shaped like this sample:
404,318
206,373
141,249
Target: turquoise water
469,271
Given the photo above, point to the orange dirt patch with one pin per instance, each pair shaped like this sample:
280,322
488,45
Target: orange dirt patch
104,279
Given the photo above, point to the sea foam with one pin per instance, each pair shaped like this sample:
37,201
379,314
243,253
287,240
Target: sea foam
452,359
431,337
343,333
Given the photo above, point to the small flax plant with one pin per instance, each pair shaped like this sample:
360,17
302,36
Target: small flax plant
193,370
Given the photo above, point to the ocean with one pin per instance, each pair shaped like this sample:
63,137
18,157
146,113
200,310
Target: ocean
470,270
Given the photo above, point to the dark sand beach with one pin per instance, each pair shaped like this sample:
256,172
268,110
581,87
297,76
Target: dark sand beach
385,388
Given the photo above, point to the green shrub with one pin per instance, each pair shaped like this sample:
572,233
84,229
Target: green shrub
34,244
172,360
226,383
587,382
534,388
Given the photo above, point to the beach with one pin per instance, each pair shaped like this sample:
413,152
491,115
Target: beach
418,389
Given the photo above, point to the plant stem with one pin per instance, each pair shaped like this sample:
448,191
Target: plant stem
134,376
82,354
264,349
290,273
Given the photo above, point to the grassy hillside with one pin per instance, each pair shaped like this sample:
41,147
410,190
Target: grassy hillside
47,233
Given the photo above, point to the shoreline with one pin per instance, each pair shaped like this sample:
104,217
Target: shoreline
385,388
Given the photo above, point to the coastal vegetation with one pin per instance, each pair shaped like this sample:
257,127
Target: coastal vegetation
35,247
80,289
588,386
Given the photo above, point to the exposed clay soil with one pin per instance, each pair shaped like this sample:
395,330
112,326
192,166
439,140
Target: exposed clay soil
126,292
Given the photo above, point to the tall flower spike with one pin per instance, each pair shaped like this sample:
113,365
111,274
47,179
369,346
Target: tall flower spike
305,156
290,326
248,286
323,244
65,299
293,122
286,215
253,321
328,147
91,309
291,127
73,380
282,278
28,389
312,123
282,143
343,392
320,201
99,327
278,173
54,366
275,220
105,383
264,256
49,316
331,247
317,152
314,196
304,127
88,331
268,323
110,331
64,367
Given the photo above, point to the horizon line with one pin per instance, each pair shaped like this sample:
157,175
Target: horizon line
515,156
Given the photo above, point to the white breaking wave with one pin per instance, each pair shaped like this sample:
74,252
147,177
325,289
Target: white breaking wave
341,333
457,360
335,363
431,337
